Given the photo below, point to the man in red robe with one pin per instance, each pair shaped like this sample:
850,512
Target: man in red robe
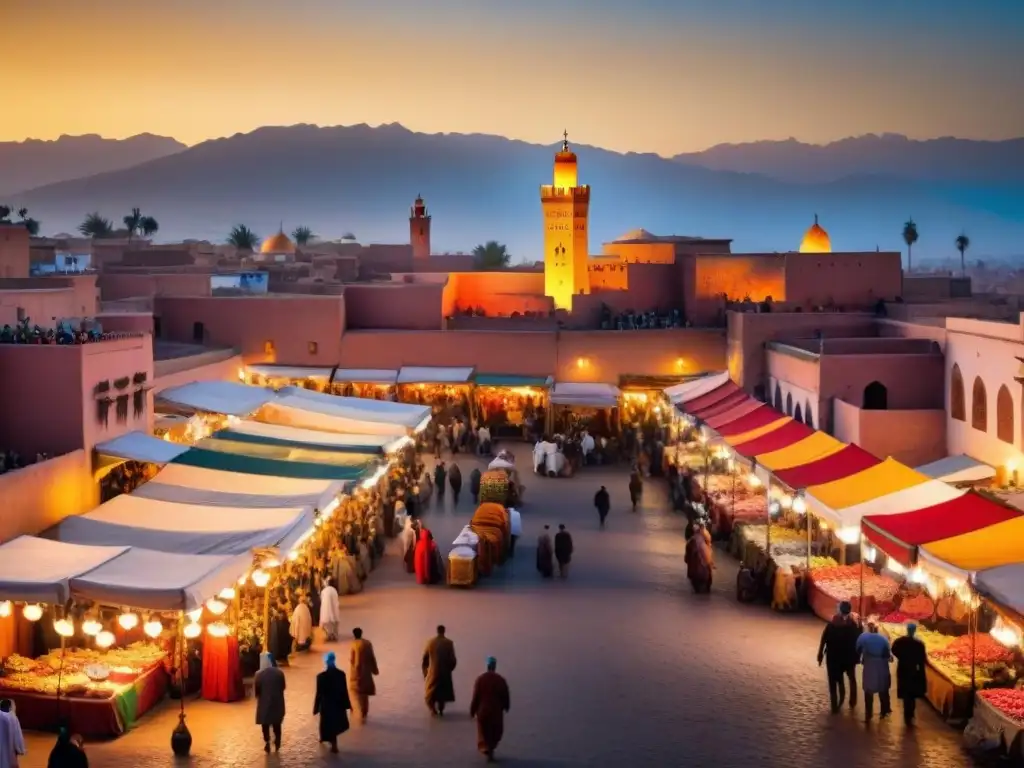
489,705
424,556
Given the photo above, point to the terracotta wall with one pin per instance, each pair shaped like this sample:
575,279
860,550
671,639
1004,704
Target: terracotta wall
496,292
914,437
739,276
651,287
394,306
216,365
912,381
126,322
14,251
110,361
849,280
898,329
43,307
290,323
40,399
608,277
115,285
40,496
642,253
607,355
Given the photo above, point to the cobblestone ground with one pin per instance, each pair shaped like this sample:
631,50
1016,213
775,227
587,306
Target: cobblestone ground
620,665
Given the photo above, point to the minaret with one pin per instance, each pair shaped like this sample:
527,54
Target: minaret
566,244
419,229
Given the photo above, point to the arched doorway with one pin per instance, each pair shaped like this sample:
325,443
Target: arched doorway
1004,415
957,408
979,405
798,414
789,404
876,397
808,415
778,397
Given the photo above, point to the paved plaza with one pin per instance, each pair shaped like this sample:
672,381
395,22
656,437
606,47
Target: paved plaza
619,665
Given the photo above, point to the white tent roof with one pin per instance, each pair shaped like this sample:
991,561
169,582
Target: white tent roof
926,494
39,570
691,390
160,581
595,395
365,376
290,372
211,487
225,397
958,469
1004,584
165,526
425,374
138,446
383,443
407,415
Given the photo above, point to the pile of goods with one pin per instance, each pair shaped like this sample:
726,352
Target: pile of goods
842,582
1009,701
817,561
494,486
86,673
894,625
993,661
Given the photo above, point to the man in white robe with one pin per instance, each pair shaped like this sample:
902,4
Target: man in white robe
330,616
302,626
12,743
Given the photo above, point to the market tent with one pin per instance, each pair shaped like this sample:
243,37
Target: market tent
786,435
738,411
811,448
843,463
195,485
218,397
688,390
427,374
920,496
991,547
709,399
290,371
1003,585
755,419
511,380
34,570
309,454
296,407
382,376
958,469
138,446
160,581
594,395
165,526
256,465
278,434
874,482
726,404
899,536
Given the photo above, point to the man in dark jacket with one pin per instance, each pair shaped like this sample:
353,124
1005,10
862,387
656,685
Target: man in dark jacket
332,702
911,683
838,648
603,502
563,550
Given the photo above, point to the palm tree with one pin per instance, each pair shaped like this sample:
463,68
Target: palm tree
23,213
302,235
243,238
491,255
132,222
148,226
29,223
5,211
95,226
963,242
910,237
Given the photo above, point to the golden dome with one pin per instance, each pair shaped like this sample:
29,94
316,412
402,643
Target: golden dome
279,243
816,239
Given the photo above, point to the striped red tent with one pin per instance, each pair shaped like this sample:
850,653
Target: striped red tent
711,398
722,406
783,437
843,463
734,413
757,418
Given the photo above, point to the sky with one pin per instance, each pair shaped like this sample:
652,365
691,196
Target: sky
664,76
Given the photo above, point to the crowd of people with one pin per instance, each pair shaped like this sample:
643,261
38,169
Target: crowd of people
12,460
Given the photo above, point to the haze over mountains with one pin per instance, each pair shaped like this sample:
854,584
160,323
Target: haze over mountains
479,187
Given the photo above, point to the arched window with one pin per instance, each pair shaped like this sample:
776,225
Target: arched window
789,404
778,397
808,415
798,413
876,397
1004,415
957,408
979,405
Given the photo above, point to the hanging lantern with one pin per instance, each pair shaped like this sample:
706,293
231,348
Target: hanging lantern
192,631
272,562
217,629
216,607
5,609
128,621
105,639
91,627
64,627
153,628
228,593
195,615
242,579
260,578
33,612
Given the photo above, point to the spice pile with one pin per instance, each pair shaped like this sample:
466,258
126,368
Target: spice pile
86,672
842,582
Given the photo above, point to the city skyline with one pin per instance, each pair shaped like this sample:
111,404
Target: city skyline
650,76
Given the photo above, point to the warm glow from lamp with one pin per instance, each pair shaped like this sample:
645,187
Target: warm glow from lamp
228,593
260,578
32,612
581,362
954,583
328,510
271,562
64,627
195,615
192,631
773,509
105,639
241,375
1005,634
153,628
216,607
128,621
849,535
917,576
5,609
1011,465
753,480
799,505
680,363
293,556
91,627
217,629
870,553
894,566
242,579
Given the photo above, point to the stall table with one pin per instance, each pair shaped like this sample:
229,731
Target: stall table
992,721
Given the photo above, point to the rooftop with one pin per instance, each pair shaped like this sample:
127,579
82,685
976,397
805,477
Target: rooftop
637,236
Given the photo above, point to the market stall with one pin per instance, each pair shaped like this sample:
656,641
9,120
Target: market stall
294,407
511,406
958,470
217,397
277,376
592,407
446,390
685,392
221,458
260,432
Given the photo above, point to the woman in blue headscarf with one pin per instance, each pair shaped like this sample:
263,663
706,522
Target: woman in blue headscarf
332,702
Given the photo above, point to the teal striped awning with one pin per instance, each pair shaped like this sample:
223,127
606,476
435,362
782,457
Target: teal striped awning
368,448
253,465
511,380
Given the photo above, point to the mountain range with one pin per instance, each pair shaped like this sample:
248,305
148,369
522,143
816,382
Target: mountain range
481,187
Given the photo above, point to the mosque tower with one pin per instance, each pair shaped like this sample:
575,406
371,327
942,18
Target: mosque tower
816,239
566,207
419,229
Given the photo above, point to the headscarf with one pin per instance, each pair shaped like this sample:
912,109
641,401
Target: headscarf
266,660
911,628
491,662
329,659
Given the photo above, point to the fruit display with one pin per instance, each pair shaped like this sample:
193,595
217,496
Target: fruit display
933,641
86,672
843,582
983,647
494,486
818,562
1009,701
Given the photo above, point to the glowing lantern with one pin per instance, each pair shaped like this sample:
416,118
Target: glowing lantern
260,578
5,609
32,612
272,562
242,579
91,627
293,556
105,639
216,607
192,631
64,627
228,593
153,628
799,505
195,615
217,629
128,621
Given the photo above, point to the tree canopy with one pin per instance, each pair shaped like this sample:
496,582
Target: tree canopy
491,255
244,238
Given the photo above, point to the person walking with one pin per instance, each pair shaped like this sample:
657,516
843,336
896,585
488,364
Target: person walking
438,665
301,626
331,702
545,553
636,487
875,655
911,683
838,649
440,474
330,616
67,752
474,484
362,667
515,522
563,551
269,685
489,705
455,481
603,503
699,558
14,745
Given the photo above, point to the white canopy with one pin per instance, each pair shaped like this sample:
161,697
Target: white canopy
595,395
1004,585
690,390
426,374
138,446
408,415
365,376
290,372
313,437
211,487
926,494
298,410
160,581
165,526
958,469
225,397
39,570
